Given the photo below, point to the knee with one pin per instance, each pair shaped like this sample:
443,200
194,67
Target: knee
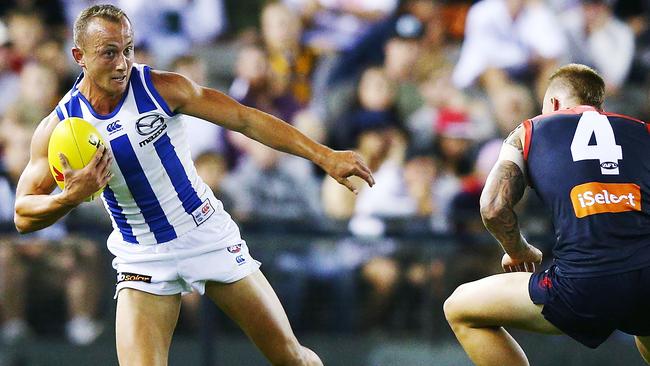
296,355
455,305
642,344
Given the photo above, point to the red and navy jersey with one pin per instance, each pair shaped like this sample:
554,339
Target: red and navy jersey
592,170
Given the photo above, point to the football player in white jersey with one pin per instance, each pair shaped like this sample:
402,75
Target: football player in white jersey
147,312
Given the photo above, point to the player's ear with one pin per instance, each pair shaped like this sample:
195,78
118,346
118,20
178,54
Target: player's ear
78,54
556,104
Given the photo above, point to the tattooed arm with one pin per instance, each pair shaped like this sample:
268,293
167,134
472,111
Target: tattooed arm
503,189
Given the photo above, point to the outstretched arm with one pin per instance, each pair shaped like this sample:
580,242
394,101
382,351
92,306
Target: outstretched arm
185,96
503,189
35,208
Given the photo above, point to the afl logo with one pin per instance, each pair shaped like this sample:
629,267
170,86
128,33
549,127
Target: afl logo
149,124
234,249
610,165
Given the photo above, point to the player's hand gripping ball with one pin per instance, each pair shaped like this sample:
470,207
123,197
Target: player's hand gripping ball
78,140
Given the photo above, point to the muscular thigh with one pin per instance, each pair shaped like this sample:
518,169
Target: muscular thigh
502,300
254,306
144,326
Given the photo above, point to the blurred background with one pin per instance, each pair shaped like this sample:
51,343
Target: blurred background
424,90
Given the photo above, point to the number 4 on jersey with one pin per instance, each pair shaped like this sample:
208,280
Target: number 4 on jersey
605,150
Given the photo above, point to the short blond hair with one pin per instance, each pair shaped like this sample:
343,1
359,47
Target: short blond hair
582,82
105,11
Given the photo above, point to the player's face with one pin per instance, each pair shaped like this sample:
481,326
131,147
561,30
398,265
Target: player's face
108,54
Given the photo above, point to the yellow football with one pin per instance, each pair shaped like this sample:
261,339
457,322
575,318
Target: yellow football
78,140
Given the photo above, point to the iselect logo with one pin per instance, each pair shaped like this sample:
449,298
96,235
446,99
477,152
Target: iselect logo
594,198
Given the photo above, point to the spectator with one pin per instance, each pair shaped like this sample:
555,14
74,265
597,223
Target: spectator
453,145
439,95
26,31
401,52
334,26
339,204
636,13
375,105
255,86
368,50
212,168
291,63
51,52
509,40
50,9
436,51
270,185
9,77
37,94
515,106
595,34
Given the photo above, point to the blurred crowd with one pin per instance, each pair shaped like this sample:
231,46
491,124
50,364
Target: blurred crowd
424,90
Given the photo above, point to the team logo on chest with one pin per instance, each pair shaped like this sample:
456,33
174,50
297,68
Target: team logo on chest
151,125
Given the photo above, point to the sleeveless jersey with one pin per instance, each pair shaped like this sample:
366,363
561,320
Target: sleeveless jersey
155,194
592,170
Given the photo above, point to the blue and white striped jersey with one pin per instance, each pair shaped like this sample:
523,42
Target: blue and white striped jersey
155,195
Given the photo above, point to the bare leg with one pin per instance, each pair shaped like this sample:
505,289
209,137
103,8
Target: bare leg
144,326
253,305
643,344
478,311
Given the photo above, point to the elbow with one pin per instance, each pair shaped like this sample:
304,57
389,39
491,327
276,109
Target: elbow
491,209
489,214
22,224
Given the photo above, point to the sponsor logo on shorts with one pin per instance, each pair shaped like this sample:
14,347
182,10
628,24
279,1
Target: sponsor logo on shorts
545,282
594,198
240,259
128,276
234,248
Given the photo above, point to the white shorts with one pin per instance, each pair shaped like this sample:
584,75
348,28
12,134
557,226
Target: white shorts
182,264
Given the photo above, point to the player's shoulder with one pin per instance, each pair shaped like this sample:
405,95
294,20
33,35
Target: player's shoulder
562,114
48,123
614,116
42,133
164,78
577,112
174,88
